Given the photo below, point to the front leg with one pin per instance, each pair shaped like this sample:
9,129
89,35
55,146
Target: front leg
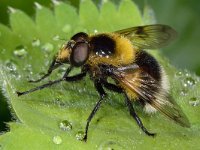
102,94
64,78
52,67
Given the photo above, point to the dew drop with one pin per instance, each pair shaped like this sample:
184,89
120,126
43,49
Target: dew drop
20,51
65,125
80,135
189,82
179,74
48,47
110,145
36,43
95,31
194,101
66,28
57,139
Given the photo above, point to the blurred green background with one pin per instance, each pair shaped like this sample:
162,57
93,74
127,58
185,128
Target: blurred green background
183,15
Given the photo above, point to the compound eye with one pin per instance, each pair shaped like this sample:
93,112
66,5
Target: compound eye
80,54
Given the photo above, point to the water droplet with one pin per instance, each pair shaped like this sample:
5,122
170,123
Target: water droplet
57,139
38,6
48,47
20,51
110,145
194,101
65,125
80,135
178,74
67,28
36,43
95,31
189,82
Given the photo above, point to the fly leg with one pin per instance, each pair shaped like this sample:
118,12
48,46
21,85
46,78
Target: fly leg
102,94
64,78
135,116
52,67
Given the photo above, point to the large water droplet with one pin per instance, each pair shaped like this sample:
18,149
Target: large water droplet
80,135
65,125
57,139
67,28
194,101
36,43
110,145
48,47
20,51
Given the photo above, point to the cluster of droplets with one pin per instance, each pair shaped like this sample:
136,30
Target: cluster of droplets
66,126
80,135
188,83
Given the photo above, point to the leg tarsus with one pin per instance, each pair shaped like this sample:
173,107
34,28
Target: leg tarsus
137,119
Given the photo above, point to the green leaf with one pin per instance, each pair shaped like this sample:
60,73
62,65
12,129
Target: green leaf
27,49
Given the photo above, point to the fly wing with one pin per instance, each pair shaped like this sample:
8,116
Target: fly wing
149,90
149,36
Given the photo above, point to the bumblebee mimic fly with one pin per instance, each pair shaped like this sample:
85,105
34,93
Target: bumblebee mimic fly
121,56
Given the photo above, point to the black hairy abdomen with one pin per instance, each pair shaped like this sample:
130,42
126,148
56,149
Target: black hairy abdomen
149,64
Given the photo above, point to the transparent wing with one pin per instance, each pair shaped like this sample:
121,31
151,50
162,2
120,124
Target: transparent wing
149,36
148,89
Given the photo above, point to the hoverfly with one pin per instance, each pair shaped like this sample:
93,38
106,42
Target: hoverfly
121,56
